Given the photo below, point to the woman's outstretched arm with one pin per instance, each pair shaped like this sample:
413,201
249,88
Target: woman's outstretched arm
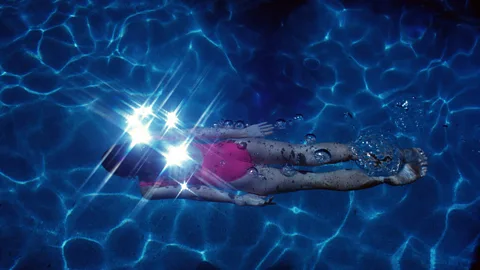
202,193
257,130
220,133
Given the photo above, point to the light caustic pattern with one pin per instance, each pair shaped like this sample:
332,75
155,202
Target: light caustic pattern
71,70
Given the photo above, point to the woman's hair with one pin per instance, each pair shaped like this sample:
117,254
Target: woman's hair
128,162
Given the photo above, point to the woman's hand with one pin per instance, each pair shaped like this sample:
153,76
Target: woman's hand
259,130
253,200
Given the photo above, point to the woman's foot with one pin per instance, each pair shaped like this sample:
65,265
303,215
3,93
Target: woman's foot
415,167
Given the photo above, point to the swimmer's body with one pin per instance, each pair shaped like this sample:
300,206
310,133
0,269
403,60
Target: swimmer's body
240,162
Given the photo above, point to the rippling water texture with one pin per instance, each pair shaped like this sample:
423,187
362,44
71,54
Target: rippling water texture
71,70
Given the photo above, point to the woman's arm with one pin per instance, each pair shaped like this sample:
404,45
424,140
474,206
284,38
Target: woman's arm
200,193
203,193
204,133
219,133
257,130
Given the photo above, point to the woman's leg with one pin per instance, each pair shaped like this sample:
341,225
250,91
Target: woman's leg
271,180
277,152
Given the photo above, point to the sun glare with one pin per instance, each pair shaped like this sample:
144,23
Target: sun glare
140,134
143,111
183,186
138,125
172,119
176,155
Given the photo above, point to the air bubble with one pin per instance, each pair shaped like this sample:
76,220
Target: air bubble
377,153
408,113
347,115
403,105
281,124
298,117
218,124
322,156
288,170
228,124
253,171
310,138
241,145
239,124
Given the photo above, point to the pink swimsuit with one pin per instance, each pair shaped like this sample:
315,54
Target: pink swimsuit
222,162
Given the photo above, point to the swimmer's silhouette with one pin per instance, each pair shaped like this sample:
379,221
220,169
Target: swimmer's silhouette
243,161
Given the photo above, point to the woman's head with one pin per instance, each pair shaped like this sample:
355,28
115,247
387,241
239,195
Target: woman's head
126,161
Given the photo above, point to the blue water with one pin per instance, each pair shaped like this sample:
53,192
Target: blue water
71,70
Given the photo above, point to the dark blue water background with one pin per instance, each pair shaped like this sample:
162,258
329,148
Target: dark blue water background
71,70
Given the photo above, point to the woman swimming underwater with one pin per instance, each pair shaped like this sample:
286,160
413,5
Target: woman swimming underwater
242,161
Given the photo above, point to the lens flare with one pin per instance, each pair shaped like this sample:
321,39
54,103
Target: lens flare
138,125
176,155
172,119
